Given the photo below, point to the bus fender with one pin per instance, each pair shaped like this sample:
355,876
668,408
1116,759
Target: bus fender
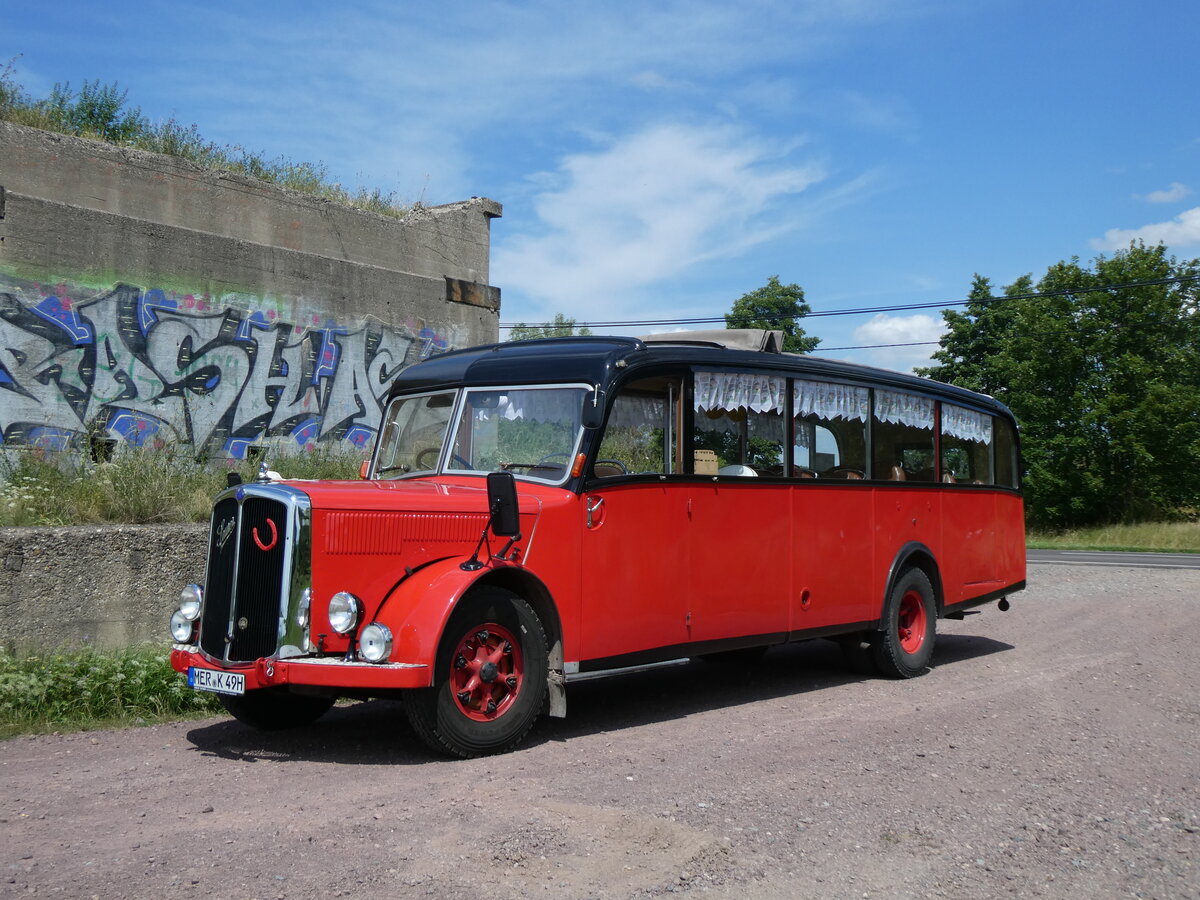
914,553
418,609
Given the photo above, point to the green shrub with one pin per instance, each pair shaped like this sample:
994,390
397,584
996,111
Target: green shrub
90,688
140,486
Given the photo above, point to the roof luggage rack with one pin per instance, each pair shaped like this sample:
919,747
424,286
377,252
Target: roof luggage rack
761,340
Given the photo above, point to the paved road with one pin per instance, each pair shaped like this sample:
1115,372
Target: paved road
1110,558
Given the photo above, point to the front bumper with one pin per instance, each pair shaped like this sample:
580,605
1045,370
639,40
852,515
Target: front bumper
319,672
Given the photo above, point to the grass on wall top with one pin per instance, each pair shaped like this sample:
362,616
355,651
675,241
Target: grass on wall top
100,111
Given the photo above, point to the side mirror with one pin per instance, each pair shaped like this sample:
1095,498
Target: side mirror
502,501
592,415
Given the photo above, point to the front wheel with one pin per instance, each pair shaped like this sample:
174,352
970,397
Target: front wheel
490,677
274,709
904,646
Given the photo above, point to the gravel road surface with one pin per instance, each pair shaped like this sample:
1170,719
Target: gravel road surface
1054,751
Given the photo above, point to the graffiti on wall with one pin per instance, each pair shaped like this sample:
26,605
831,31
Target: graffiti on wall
151,367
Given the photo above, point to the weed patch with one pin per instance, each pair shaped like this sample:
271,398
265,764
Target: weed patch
87,689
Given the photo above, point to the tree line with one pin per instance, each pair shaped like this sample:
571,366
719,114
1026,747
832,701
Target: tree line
1101,365
1099,362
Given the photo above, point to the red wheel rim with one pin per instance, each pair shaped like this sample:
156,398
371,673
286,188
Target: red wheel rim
911,622
486,672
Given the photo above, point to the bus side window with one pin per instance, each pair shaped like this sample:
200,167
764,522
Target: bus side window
1006,453
830,430
902,437
967,442
739,419
640,436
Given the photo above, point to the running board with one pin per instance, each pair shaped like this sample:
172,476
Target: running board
572,677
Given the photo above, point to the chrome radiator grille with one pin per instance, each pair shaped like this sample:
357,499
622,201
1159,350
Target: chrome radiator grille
250,558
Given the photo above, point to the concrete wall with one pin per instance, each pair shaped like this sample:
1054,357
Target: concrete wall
150,300
102,586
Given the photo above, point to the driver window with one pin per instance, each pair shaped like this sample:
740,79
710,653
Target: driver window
641,434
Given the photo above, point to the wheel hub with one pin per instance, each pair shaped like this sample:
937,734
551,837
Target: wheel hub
487,670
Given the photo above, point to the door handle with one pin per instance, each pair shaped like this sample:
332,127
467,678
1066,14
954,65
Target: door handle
593,507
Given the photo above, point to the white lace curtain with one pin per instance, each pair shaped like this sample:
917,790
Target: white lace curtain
740,390
830,401
966,424
900,408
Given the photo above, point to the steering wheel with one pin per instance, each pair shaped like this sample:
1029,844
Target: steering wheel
420,461
436,451
615,463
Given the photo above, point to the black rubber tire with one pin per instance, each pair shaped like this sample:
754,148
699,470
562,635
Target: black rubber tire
887,649
274,709
433,712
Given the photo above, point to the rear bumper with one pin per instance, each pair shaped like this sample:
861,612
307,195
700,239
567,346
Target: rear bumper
323,672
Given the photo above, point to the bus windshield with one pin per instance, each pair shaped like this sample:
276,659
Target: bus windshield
533,432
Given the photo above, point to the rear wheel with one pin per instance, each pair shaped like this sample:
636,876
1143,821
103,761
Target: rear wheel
904,646
274,709
490,677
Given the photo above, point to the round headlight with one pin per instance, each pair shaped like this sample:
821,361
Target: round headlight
181,628
343,612
305,607
190,600
375,643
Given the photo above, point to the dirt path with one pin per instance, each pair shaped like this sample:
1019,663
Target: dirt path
1053,752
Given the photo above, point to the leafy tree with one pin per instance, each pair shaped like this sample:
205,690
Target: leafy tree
976,335
560,327
1104,380
775,306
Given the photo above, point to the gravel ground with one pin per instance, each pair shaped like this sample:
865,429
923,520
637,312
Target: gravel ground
1052,752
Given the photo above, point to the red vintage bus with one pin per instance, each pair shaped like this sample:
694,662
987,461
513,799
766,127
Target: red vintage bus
540,511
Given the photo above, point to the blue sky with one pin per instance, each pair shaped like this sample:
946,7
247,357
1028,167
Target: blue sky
658,160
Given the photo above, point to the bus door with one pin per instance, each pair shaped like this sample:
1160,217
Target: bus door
741,533
635,528
740,573
832,506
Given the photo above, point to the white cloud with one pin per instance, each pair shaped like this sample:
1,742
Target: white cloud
884,329
645,209
1173,194
1182,231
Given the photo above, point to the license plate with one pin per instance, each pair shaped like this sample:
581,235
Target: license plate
216,682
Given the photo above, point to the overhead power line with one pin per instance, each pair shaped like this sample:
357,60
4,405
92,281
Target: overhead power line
867,310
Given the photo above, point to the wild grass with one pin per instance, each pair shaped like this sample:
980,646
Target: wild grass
101,112
1170,537
89,689
139,486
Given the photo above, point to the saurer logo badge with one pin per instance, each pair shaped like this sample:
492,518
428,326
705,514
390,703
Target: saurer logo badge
224,533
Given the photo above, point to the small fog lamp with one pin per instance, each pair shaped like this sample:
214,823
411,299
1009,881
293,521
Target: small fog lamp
375,643
190,600
344,608
181,628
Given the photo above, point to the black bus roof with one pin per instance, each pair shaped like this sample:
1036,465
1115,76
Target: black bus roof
603,359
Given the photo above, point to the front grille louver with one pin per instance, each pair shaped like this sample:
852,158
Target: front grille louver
246,590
